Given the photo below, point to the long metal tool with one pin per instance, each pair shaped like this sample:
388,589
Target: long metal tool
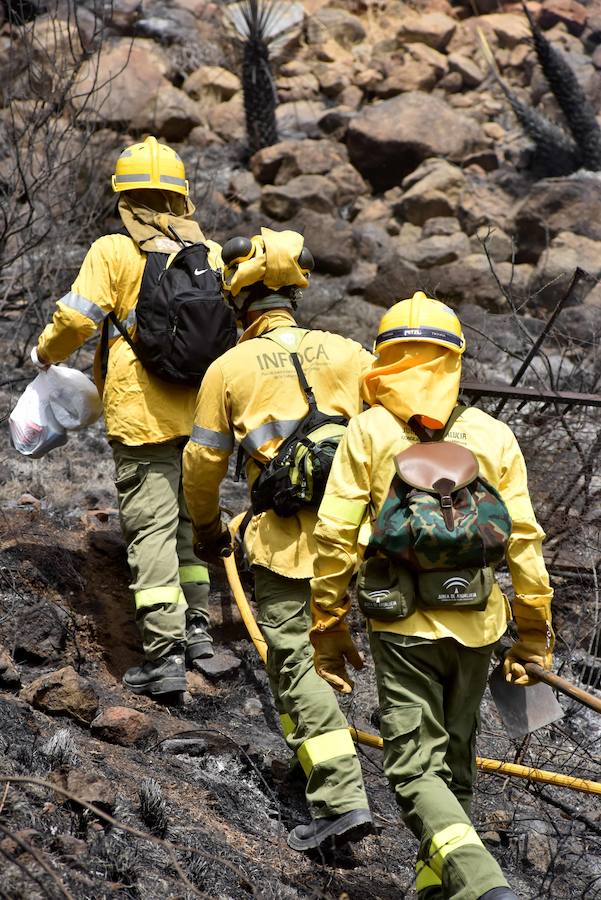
494,766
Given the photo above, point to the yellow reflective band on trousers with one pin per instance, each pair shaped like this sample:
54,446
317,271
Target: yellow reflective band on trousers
449,839
158,595
193,574
425,877
324,747
350,511
287,724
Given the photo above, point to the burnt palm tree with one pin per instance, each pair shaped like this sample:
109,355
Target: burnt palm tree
261,25
556,152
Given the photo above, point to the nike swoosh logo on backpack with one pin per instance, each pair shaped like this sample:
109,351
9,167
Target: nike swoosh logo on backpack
200,271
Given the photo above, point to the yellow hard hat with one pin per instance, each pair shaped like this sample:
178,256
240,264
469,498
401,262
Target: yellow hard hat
150,165
420,319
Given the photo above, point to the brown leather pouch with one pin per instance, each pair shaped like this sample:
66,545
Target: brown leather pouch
439,468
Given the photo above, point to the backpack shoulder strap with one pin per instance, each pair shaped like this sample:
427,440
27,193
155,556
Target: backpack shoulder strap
426,436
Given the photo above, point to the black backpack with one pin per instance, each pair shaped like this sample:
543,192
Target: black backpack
183,323
296,477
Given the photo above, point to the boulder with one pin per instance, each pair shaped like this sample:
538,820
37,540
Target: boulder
314,192
299,118
9,676
329,239
227,119
488,333
568,12
327,305
283,161
396,278
348,184
297,87
335,24
433,190
506,29
483,203
63,693
555,268
388,140
440,225
211,84
172,114
499,245
470,279
555,205
127,76
91,787
470,72
41,632
580,324
124,726
224,664
434,29
436,250
420,69
243,188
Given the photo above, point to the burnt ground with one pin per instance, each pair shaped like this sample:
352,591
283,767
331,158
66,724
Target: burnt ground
216,776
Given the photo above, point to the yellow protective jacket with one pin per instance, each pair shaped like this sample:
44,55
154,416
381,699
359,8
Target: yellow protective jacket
139,408
357,488
252,395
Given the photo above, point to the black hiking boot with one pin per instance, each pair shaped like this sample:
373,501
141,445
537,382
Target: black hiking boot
199,643
499,893
346,828
158,677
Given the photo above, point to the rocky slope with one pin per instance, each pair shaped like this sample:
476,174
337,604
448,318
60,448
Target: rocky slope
402,163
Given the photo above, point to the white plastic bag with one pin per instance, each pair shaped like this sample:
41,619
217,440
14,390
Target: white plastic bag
57,400
73,397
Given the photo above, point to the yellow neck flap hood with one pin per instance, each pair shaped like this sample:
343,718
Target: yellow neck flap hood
415,378
147,215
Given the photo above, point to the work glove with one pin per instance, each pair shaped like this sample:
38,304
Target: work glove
535,644
37,361
211,547
333,648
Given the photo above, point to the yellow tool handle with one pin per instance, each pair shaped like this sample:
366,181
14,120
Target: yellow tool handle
560,684
495,766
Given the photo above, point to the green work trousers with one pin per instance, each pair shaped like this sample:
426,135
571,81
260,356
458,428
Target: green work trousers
314,727
430,694
171,587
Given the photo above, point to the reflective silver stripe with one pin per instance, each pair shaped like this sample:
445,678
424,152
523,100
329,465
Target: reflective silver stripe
125,178
171,179
259,436
215,439
127,323
84,306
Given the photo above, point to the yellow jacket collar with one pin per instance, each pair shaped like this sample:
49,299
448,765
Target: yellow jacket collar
273,318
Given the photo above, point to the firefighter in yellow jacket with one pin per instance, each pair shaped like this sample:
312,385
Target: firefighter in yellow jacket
432,666
148,420
252,395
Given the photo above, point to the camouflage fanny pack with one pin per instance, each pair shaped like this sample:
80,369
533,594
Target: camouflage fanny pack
442,523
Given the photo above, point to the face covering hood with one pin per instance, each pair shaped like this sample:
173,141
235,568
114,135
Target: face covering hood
147,215
415,379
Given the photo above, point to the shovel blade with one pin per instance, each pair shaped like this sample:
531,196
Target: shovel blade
523,709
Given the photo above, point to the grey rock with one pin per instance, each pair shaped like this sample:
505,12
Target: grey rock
555,205
388,140
223,665
436,250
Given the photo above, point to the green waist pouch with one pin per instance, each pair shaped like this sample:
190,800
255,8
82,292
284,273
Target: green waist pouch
467,589
385,590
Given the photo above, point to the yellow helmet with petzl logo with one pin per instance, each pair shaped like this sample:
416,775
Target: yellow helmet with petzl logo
420,319
150,165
